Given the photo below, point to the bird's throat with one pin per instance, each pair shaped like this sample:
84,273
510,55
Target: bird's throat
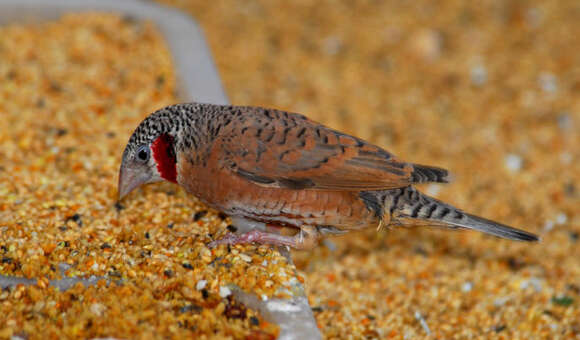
164,154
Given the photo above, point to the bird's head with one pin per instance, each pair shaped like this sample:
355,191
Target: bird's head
150,153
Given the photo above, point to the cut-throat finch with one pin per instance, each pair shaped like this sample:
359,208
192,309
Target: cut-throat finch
271,170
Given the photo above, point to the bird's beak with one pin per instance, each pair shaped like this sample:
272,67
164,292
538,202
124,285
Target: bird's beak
129,180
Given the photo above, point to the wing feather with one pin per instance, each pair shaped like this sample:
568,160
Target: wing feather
286,150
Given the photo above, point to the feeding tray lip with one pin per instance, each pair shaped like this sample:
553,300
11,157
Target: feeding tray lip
195,70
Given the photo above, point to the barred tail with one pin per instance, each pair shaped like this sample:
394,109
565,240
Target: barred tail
409,206
426,173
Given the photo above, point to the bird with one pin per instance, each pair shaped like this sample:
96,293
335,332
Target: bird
284,179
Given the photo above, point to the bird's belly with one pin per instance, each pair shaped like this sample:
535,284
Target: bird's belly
341,209
238,197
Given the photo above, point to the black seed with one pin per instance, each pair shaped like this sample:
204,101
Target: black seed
114,273
570,189
317,309
573,287
105,246
55,87
198,215
222,216
61,132
7,260
170,225
421,251
499,328
232,228
515,263
119,206
75,218
147,236
204,293
190,308
63,228
168,273
254,321
187,265
549,313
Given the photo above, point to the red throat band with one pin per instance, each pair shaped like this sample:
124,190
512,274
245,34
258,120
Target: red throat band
164,154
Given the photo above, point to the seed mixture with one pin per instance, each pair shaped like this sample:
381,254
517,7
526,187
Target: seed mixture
489,90
71,93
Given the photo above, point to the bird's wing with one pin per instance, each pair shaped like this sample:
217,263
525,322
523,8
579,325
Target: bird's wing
280,149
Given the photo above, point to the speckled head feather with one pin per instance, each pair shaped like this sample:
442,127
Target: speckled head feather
153,140
168,120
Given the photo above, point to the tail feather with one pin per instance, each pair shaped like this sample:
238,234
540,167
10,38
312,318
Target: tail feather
409,203
425,173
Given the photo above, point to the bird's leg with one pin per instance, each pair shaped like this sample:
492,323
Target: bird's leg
306,238
380,226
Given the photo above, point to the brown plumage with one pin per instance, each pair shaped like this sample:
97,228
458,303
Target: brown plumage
268,168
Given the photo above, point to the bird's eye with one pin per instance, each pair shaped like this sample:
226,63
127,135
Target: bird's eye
143,154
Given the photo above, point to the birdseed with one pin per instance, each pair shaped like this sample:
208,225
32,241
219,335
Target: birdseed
71,93
400,74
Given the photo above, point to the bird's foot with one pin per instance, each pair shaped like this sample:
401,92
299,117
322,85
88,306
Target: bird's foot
254,236
301,240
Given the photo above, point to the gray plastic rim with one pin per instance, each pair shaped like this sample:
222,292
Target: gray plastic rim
197,73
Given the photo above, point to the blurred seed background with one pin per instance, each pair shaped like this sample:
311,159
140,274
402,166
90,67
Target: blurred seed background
488,89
